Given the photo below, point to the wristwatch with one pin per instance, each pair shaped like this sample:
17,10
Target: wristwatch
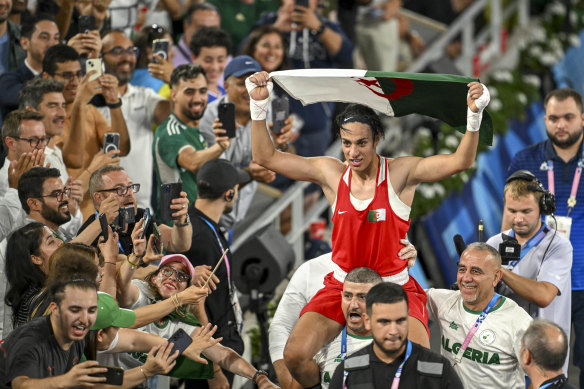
186,223
257,373
319,30
114,105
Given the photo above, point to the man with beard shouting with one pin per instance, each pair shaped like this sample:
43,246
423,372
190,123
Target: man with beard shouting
392,356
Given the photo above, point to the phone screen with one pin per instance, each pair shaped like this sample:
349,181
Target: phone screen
156,241
147,217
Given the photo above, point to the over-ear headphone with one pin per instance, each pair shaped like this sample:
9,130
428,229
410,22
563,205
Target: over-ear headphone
229,196
547,203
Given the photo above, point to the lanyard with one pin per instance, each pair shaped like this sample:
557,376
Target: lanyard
221,246
552,383
396,378
119,243
534,241
344,344
475,327
575,183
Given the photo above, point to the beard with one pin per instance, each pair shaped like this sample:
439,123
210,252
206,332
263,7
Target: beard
565,143
391,352
192,116
55,216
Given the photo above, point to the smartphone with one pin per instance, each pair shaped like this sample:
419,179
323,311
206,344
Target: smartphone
156,240
280,112
86,23
103,224
94,64
226,113
147,218
167,193
111,141
181,341
114,375
302,3
126,215
160,48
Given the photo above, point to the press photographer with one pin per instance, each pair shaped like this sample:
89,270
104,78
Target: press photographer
536,260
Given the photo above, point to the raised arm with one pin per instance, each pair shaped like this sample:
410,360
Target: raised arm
323,171
407,172
178,238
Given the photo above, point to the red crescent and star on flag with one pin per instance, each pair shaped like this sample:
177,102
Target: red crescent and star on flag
403,87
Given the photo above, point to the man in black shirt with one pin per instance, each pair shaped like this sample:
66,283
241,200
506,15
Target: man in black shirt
47,351
392,357
218,182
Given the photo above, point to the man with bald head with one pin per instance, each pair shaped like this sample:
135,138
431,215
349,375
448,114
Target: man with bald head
480,330
141,107
544,349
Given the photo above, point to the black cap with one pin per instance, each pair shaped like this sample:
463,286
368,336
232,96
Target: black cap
219,175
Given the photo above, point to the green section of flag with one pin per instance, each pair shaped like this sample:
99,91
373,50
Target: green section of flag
441,96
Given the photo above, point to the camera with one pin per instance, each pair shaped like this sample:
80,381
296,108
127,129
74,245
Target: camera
509,249
126,216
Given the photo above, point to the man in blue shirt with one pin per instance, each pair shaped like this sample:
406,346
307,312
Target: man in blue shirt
557,162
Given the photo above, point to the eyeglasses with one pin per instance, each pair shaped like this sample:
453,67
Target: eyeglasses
59,194
35,141
119,51
181,276
69,76
123,190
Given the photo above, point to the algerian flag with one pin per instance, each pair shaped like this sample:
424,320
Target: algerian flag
441,96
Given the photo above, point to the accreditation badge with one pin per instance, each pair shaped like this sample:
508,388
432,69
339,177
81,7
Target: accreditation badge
236,309
564,224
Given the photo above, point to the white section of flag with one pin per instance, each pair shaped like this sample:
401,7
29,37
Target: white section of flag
316,85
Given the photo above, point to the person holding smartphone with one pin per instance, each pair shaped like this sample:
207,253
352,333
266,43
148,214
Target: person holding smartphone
215,120
179,149
142,107
172,276
113,186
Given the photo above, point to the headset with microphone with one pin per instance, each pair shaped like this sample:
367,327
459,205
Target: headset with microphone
547,202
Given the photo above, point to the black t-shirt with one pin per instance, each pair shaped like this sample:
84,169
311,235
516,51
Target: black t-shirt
32,350
383,373
558,382
205,250
125,238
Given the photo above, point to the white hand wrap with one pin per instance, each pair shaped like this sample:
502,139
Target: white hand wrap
258,109
473,119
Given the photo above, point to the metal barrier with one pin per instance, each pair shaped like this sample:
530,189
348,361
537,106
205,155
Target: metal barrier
463,25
